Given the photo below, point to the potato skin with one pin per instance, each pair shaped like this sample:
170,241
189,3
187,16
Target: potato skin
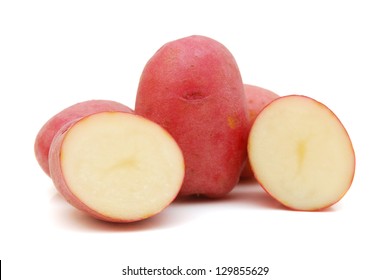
257,99
193,88
46,134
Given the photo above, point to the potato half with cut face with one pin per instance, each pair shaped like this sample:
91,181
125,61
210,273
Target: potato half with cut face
116,166
301,153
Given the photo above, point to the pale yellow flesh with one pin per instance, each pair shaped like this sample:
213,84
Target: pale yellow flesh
121,165
301,153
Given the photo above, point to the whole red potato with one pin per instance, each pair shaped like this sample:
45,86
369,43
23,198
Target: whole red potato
193,88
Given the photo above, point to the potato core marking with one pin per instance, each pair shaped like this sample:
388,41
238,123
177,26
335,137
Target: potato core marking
122,164
301,153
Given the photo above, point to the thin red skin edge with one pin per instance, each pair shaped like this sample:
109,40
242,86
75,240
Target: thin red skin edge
48,131
62,186
352,148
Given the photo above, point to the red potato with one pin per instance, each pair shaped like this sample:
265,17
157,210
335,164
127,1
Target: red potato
116,166
193,88
257,99
52,126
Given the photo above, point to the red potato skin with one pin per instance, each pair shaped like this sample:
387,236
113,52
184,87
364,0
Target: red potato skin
193,88
257,99
46,134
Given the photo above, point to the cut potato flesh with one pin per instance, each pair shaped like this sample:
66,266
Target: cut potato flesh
121,165
301,154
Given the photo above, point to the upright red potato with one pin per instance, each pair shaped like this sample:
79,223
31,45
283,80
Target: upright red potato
46,134
257,99
193,88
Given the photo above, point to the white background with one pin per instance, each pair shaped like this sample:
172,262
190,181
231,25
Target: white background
56,53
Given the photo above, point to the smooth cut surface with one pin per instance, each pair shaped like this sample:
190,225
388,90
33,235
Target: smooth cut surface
121,165
301,153
257,99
